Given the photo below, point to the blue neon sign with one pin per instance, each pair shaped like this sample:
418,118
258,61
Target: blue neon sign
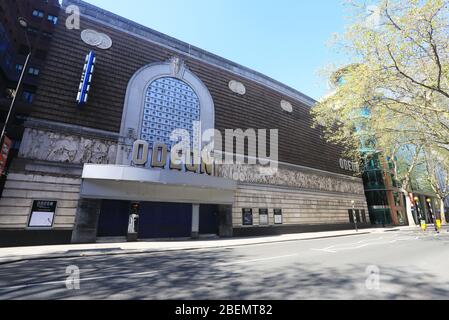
86,79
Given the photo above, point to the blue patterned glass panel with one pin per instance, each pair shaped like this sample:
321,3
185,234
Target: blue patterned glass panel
169,104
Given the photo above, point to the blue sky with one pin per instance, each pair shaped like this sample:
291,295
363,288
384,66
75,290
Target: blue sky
284,39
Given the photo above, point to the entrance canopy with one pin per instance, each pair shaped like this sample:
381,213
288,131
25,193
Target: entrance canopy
115,182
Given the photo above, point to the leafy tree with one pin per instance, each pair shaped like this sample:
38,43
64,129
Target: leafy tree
437,175
395,94
401,74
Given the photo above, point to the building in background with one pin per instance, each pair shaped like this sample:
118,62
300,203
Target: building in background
42,17
92,162
386,201
426,206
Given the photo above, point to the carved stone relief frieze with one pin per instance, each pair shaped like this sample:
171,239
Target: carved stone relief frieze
64,148
286,177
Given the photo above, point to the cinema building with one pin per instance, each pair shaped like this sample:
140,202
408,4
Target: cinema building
92,164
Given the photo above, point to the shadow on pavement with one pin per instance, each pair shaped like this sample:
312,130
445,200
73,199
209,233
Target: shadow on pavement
205,275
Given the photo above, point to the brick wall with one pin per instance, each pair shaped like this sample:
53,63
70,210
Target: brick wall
298,206
259,108
20,191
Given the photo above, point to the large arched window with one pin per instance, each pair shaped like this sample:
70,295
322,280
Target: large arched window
160,98
170,104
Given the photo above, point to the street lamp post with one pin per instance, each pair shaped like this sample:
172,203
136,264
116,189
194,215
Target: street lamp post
24,24
417,207
429,202
421,218
354,215
434,215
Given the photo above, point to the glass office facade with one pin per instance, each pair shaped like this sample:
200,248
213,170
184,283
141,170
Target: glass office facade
376,191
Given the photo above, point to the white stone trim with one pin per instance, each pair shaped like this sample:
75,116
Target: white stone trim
286,106
141,184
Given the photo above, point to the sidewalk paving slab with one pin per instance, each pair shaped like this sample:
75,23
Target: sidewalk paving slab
17,254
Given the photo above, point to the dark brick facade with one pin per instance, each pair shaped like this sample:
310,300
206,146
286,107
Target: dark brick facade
258,108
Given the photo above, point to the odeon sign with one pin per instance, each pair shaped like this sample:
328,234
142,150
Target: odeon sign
349,165
178,159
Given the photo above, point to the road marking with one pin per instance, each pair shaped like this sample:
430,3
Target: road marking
133,275
360,244
256,260
364,243
325,250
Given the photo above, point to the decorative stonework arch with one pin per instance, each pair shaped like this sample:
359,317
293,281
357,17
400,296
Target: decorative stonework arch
135,101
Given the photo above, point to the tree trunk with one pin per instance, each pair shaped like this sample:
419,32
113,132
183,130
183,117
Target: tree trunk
443,216
408,208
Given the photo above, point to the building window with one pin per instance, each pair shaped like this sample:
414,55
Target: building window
28,96
162,109
170,104
52,19
19,68
33,71
247,217
38,13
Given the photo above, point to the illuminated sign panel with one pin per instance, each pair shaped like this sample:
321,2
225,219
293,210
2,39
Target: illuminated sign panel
86,79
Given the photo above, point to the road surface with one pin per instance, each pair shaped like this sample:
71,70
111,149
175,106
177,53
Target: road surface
391,265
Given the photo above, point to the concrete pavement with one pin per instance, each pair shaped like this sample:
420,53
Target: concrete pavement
8,255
